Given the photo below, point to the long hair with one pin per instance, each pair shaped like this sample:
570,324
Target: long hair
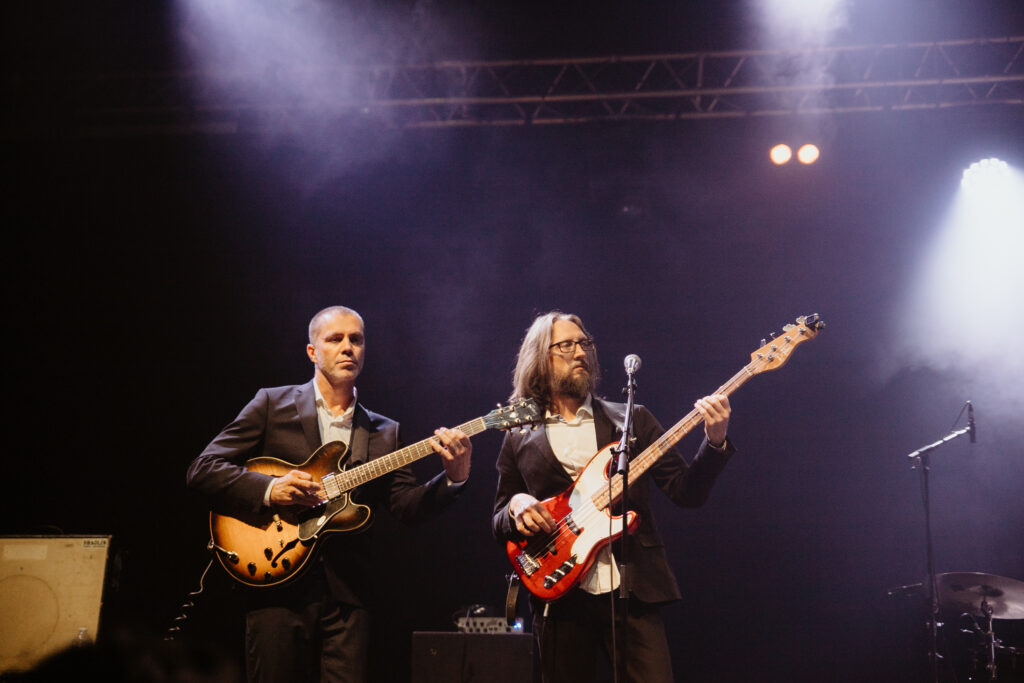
532,375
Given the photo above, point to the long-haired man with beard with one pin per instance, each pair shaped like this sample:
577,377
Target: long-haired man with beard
557,365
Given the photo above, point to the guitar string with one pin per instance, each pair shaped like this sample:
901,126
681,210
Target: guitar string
394,460
350,479
591,510
346,480
400,458
671,437
471,428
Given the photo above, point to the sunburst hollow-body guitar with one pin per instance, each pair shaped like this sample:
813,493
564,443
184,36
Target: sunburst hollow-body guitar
273,546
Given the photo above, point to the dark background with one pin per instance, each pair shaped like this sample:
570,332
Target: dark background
153,283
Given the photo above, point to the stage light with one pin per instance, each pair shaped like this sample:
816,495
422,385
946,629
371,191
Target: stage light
780,154
965,303
798,24
808,154
987,174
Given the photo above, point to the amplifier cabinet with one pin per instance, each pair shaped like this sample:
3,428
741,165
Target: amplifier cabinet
51,590
444,657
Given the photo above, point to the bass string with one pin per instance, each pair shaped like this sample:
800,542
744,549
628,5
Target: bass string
600,501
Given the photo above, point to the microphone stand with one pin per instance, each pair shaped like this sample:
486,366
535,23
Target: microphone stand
625,452
921,455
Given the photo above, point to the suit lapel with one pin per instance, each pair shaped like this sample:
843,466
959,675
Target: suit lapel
536,441
608,418
607,428
359,447
305,405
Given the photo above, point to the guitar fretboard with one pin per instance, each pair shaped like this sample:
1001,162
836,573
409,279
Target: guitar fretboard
610,494
347,480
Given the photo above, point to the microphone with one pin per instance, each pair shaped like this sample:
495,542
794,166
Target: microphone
632,364
972,429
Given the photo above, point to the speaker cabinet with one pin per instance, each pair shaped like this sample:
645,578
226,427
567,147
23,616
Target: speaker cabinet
51,589
443,657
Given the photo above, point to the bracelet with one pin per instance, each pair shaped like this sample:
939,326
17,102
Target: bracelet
721,446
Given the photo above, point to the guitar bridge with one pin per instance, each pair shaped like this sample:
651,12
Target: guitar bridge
527,564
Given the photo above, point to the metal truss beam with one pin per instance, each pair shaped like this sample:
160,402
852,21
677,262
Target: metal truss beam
706,85
697,85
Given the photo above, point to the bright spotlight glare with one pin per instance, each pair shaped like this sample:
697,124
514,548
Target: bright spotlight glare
987,173
806,21
780,154
966,303
808,154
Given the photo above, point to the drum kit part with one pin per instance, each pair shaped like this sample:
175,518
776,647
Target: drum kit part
981,595
986,597
971,593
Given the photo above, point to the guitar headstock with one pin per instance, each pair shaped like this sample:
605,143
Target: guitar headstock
775,352
517,413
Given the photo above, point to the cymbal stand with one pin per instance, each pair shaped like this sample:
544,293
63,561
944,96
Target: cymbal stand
990,638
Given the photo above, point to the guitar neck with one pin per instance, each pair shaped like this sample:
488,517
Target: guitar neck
378,467
651,455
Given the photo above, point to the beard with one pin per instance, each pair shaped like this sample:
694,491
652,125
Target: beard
576,385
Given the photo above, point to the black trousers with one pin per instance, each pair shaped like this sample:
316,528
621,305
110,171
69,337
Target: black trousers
577,633
299,633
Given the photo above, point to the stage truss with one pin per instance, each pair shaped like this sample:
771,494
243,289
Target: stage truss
697,85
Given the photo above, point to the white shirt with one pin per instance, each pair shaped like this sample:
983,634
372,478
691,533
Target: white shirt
332,427
575,444
339,427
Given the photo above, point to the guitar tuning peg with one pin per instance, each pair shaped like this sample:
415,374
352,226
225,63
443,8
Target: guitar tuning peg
763,341
497,405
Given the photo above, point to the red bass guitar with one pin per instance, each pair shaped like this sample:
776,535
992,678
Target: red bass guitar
549,565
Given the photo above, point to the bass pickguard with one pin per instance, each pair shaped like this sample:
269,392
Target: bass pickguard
549,565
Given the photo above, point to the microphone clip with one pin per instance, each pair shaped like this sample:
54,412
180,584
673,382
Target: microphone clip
972,430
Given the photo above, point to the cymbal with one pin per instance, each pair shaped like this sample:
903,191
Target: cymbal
964,591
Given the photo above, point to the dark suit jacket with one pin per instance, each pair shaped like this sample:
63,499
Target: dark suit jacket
527,464
281,422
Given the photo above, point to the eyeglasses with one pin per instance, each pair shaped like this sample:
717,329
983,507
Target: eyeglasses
569,345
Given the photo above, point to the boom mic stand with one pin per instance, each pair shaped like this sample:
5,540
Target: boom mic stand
921,455
625,452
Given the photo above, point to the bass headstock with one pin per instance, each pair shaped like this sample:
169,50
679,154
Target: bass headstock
517,413
775,352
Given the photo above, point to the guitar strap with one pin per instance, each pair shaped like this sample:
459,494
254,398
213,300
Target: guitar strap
511,599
